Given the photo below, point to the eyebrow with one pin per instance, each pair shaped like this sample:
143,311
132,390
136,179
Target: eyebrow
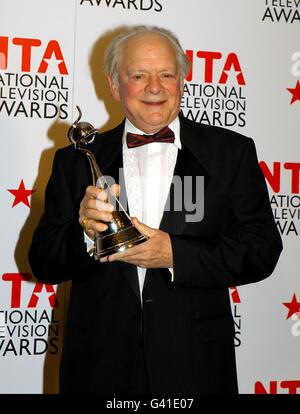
166,69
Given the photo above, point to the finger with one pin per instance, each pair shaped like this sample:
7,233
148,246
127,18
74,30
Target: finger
97,226
146,230
91,226
92,192
116,190
104,259
130,254
84,222
101,205
137,261
88,203
93,214
102,196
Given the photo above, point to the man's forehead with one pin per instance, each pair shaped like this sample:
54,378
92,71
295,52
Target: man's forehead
148,37
144,49
152,42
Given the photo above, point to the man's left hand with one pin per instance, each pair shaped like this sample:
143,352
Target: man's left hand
156,252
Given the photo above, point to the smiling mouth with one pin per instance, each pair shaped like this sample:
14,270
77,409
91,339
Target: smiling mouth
153,103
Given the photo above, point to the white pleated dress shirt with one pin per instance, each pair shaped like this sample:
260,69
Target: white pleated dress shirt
148,173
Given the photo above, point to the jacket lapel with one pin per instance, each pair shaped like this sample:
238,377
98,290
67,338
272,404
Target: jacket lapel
191,162
108,151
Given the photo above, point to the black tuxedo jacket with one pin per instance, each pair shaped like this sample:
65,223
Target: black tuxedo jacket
187,324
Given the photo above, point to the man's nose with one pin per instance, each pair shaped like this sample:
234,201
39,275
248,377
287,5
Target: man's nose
154,84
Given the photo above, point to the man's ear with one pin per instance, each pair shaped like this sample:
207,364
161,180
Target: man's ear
114,88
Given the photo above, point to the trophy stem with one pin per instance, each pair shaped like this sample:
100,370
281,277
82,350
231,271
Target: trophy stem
98,178
120,234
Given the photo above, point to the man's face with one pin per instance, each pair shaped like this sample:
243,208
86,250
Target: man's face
150,86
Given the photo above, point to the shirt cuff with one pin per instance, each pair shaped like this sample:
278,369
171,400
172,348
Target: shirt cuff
89,243
171,270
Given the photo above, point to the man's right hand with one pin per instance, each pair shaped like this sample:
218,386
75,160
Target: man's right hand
95,210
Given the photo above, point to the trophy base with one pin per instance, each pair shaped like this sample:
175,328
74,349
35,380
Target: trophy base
117,242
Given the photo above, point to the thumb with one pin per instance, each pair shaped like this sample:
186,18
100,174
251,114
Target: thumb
116,190
146,230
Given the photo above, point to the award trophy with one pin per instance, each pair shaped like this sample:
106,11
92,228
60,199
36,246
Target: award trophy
120,234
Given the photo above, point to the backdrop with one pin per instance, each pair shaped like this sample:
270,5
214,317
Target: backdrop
245,76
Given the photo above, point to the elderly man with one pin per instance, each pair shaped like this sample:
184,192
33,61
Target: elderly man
156,317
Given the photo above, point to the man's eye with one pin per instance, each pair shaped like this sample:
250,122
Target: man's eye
168,75
137,77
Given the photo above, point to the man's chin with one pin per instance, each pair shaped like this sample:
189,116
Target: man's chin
155,123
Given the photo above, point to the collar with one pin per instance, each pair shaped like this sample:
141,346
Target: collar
174,126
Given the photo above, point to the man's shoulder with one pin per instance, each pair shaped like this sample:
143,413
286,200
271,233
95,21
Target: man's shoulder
215,135
100,138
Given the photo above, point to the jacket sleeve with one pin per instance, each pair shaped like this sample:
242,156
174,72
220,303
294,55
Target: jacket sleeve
249,250
58,252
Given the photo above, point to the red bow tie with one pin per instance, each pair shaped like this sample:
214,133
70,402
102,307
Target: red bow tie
136,140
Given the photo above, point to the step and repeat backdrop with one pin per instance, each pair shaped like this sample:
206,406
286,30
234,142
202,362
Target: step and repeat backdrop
245,76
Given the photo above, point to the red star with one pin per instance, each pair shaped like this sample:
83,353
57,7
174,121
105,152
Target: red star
21,195
293,306
295,92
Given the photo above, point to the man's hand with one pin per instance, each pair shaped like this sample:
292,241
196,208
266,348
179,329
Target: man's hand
95,211
156,252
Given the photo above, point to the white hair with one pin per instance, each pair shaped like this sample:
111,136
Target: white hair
113,52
